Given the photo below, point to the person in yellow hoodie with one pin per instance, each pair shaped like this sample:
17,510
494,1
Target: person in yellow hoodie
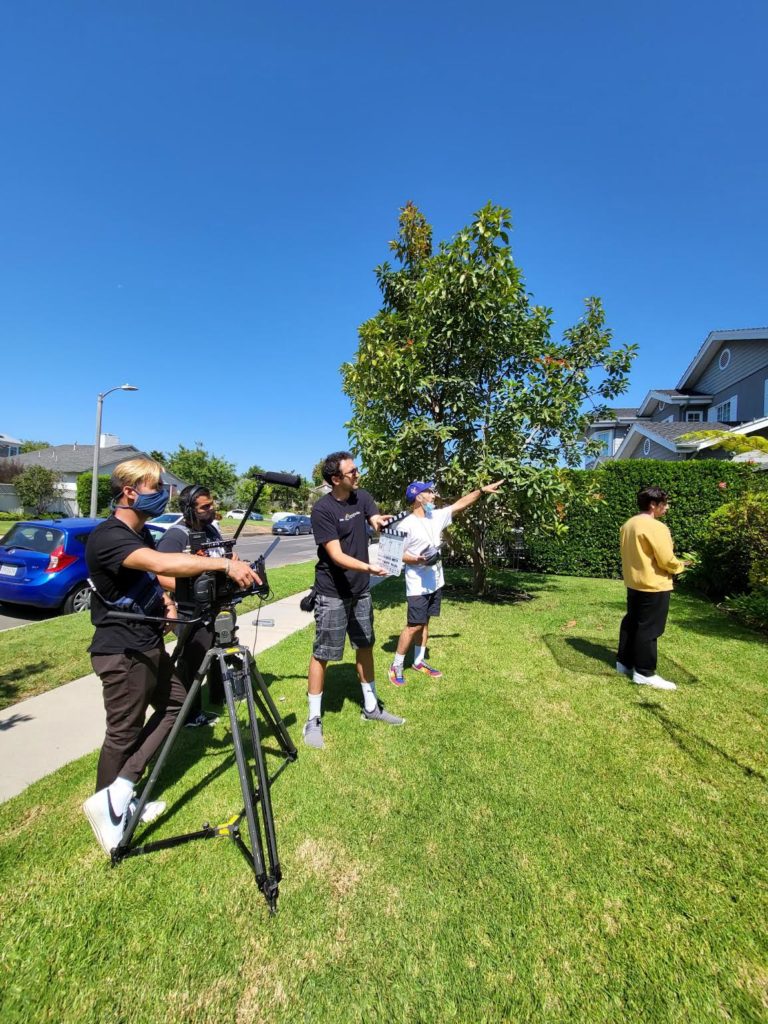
648,565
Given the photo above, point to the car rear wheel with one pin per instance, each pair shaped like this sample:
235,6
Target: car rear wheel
78,601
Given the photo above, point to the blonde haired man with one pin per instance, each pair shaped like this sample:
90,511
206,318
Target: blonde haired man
129,656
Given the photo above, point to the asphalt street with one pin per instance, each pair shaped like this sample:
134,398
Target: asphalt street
287,551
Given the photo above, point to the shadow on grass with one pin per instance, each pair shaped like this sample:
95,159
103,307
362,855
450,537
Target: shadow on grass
390,646
688,741
593,657
507,587
341,684
696,612
8,690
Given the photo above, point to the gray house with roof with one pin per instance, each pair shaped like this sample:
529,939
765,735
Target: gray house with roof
724,388
70,460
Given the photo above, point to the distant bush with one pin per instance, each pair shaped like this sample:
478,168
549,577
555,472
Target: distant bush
751,608
605,498
733,548
37,489
103,493
9,470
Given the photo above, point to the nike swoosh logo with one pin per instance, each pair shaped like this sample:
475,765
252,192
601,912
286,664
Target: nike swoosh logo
116,819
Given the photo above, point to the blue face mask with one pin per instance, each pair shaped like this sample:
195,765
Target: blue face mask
149,504
429,508
152,504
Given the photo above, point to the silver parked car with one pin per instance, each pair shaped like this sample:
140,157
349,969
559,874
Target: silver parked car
292,525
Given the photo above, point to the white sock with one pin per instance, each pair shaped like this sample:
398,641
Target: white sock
315,704
369,696
120,793
419,654
399,659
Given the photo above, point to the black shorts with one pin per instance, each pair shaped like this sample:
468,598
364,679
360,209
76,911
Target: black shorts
422,607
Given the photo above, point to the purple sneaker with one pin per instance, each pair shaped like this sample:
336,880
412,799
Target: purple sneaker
433,673
396,676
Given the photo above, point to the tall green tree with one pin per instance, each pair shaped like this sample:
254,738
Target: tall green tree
196,465
33,446
458,378
37,489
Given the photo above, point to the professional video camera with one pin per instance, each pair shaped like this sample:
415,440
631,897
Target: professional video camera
206,594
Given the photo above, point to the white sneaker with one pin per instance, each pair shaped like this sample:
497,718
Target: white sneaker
623,670
655,681
107,826
152,810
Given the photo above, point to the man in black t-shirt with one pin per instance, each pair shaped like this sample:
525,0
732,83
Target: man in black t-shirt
199,511
343,606
130,657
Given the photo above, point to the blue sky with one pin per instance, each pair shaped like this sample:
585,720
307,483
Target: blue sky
193,195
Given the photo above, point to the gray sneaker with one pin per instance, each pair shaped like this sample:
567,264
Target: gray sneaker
380,715
313,733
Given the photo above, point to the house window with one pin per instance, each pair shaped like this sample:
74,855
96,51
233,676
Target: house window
647,446
765,397
725,358
693,417
669,419
726,411
604,437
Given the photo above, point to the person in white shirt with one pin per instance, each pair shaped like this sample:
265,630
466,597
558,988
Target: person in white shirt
424,570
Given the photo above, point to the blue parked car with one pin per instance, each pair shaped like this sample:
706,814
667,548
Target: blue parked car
42,563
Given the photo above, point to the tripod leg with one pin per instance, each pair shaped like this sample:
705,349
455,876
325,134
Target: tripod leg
270,712
162,757
246,779
264,785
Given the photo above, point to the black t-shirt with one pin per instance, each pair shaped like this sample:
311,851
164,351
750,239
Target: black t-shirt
344,521
107,548
176,540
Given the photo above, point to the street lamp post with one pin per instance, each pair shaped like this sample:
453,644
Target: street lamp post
97,446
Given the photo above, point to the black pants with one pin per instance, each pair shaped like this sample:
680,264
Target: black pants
641,627
133,682
195,649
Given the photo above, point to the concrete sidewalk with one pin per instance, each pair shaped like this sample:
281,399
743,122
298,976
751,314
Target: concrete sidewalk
41,734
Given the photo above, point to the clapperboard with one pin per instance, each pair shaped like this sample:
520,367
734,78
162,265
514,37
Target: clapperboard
391,544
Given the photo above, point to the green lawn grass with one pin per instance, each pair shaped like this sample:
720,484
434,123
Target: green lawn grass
542,841
39,656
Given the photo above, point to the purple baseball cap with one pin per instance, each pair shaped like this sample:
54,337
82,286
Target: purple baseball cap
414,489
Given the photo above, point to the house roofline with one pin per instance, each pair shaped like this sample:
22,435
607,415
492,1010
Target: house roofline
640,428
659,396
716,338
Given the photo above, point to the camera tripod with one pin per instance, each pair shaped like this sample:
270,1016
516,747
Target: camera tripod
242,681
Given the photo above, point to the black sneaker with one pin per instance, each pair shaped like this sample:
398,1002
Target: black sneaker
204,718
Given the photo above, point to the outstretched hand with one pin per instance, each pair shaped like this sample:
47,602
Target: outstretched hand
492,488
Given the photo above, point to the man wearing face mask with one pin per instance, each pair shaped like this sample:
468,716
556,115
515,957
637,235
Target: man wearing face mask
128,656
197,506
424,570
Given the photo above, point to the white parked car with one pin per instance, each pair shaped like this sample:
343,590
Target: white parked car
166,520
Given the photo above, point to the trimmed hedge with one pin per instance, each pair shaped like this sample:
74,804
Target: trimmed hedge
591,545
103,493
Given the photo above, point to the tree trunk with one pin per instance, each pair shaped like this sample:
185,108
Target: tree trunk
479,568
